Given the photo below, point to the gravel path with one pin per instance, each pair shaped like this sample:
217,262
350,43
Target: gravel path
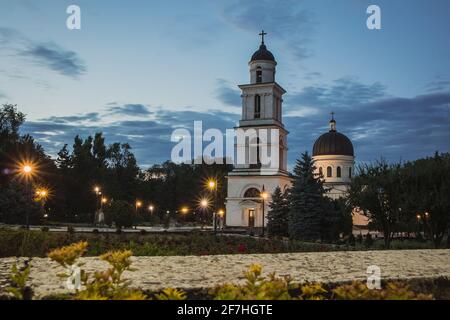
195,272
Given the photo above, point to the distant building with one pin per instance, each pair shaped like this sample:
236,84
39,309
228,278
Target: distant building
334,159
262,109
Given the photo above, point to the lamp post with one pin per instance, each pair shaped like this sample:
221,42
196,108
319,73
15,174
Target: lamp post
264,196
42,195
98,203
204,205
212,186
221,215
138,204
27,170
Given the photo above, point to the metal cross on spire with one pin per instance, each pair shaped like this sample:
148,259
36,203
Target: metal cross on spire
262,34
332,115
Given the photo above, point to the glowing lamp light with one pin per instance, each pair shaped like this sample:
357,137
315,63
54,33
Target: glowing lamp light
211,184
27,169
184,210
204,203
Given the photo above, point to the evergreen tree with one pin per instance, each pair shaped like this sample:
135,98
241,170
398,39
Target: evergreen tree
307,203
277,218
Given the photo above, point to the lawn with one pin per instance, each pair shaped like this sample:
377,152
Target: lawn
38,244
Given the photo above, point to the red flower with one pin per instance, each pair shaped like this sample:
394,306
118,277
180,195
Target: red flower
242,248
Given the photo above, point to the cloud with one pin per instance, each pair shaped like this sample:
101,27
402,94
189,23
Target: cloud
49,55
129,109
226,94
438,84
280,19
90,117
56,58
150,139
396,128
343,92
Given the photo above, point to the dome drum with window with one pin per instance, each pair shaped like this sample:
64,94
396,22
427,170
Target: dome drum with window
334,158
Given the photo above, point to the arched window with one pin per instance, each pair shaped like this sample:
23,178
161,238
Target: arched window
329,172
252,193
338,172
257,106
258,75
321,171
350,172
258,153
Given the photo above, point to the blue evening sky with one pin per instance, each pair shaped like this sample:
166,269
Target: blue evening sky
138,69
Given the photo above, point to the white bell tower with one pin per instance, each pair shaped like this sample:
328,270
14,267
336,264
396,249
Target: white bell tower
262,126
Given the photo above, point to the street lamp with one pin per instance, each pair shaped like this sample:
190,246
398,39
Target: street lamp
41,196
27,170
184,210
204,204
98,205
264,196
212,186
221,215
138,204
151,208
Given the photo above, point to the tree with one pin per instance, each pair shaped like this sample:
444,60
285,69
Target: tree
427,190
307,204
377,192
121,213
337,219
277,218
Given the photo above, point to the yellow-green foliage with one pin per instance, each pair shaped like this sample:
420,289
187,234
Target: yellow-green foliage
102,285
393,291
19,278
171,294
313,291
256,287
66,256
109,284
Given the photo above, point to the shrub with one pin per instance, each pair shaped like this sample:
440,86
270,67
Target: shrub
70,229
352,240
256,287
102,285
18,282
393,291
95,231
68,255
121,213
45,229
143,232
171,294
368,240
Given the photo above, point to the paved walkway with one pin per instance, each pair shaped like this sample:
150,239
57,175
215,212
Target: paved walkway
194,272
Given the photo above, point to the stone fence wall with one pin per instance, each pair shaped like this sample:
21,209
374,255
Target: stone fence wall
198,272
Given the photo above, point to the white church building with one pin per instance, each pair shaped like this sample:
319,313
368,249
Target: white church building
252,182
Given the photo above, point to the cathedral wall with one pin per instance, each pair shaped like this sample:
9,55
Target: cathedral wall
335,161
